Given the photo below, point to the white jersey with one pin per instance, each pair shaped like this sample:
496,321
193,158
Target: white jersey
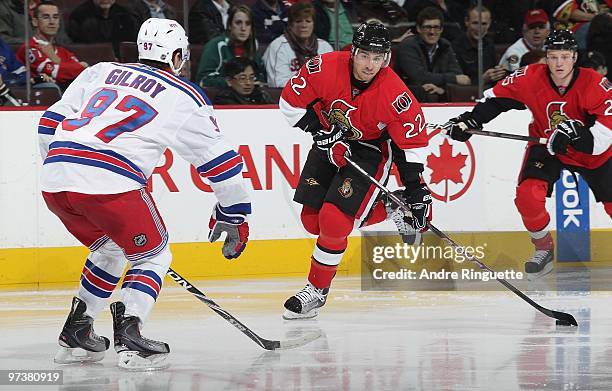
113,123
511,59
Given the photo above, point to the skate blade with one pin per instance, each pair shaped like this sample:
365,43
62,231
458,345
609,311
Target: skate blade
130,360
290,315
537,275
76,355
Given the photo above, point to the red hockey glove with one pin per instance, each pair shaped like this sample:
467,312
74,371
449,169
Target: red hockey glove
333,145
232,221
337,152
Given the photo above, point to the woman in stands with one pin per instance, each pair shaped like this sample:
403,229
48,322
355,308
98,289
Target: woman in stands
287,53
238,41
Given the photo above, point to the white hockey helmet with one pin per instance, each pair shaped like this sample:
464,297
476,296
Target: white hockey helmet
158,39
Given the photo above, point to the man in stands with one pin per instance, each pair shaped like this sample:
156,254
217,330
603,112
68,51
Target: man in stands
57,63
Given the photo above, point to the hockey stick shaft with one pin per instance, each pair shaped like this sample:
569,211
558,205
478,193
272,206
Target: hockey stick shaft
489,133
539,140
264,343
562,316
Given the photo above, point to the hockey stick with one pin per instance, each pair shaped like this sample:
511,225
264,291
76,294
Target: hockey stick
539,140
264,343
563,318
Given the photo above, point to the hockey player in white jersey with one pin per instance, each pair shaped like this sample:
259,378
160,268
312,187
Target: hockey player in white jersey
100,143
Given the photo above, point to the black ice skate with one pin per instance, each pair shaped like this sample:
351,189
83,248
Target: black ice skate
78,342
135,352
306,303
540,264
409,235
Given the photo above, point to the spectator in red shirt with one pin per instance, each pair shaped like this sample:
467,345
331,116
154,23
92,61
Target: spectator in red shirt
47,59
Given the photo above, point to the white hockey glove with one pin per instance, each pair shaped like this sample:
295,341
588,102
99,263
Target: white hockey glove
232,221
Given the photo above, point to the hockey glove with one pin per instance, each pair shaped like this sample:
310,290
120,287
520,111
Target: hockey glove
337,153
236,227
324,139
419,201
333,145
310,122
456,127
570,132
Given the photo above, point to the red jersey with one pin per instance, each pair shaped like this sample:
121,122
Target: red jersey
67,70
386,105
588,97
561,10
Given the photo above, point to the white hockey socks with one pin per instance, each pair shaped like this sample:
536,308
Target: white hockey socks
101,273
143,282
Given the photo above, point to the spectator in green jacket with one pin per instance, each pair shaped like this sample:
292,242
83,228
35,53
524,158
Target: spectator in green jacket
238,41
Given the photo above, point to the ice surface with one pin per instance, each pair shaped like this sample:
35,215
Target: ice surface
370,340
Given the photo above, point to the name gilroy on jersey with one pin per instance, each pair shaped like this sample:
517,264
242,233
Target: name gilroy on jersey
122,77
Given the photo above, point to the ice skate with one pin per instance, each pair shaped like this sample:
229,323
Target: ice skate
409,235
540,264
78,342
135,352
306,303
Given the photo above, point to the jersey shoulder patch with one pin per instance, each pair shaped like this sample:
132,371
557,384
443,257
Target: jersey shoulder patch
605,84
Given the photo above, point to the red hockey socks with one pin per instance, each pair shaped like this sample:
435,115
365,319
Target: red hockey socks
542,240
320,275
310,219
531,203
334,226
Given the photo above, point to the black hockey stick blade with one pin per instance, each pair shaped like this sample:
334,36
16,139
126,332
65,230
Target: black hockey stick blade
563,318
264,343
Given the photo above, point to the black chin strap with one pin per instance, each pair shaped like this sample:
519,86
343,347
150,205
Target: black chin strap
358,84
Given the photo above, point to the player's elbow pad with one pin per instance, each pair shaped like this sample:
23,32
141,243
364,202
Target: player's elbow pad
310,122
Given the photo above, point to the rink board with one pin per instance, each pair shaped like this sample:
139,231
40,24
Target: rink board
473,186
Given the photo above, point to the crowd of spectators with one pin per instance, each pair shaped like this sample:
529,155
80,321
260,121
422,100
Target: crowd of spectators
250,47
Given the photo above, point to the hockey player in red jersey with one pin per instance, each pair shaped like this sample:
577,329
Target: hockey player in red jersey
572,107
353,104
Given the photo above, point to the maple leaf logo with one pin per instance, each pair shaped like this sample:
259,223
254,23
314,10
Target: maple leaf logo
446,167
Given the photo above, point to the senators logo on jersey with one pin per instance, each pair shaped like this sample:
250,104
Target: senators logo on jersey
555,114
339,115
346,189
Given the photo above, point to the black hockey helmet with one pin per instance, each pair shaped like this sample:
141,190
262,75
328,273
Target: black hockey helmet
373,37
561,40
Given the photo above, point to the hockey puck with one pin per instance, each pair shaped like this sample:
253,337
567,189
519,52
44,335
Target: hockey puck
563,323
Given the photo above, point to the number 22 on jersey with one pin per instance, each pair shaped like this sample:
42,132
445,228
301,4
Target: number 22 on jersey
142,114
